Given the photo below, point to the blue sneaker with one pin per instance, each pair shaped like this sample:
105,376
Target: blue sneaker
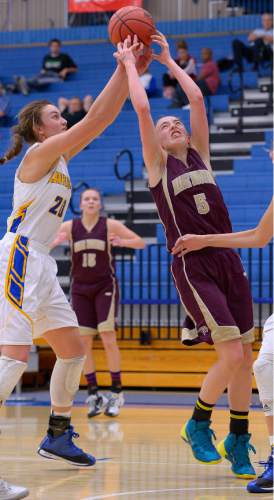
63,448
199,436
236,449
263,483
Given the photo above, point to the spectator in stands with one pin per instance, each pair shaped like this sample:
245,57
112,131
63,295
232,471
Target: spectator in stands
260,47
208,80
186,62
56,67
4,106
149,83
73,110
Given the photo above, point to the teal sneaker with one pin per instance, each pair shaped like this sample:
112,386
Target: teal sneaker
199,436
236,449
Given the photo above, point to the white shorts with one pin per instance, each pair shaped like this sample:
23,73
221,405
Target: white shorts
268,336
32,301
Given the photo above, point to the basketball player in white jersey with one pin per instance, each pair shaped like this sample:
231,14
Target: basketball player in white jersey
32,302
263,366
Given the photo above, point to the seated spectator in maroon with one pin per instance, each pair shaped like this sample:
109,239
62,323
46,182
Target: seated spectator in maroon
73,110
208,80
209,77
186,62
56,67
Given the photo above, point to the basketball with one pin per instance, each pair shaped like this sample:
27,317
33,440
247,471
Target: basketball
131,21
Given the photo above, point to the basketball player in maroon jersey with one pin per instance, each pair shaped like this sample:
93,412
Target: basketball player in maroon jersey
212,284
94,291
263,366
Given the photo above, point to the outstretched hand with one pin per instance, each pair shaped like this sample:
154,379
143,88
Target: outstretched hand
127,51
134,52
164,57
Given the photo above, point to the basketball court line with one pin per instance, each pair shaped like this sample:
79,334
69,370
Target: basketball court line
171,490
254,407
109,460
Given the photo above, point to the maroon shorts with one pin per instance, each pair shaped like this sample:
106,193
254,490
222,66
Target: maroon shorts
96,306
215,293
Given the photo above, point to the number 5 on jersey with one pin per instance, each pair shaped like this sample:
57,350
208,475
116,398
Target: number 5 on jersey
58,207
201,203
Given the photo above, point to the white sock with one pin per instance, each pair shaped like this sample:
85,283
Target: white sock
61,414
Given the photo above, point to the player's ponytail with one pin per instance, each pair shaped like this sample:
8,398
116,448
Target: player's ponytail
16,146
28,118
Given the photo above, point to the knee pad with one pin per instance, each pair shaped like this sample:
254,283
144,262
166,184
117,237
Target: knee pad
263,370
11,370
65,380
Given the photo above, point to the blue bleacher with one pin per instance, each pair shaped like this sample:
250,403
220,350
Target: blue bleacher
218,25
242,190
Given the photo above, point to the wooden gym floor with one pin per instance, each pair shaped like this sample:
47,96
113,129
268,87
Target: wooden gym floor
140,456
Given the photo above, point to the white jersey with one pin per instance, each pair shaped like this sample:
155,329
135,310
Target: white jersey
267,346
39,207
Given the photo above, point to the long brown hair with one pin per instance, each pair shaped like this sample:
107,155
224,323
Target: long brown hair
29,116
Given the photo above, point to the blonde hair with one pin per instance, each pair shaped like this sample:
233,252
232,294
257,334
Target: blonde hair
29,116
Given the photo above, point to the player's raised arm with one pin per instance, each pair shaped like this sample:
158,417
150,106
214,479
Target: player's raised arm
198,116
101,114
252,238
154,156
49,128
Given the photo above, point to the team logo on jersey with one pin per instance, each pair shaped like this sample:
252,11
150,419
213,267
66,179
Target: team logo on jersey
60,178
89,244
191,179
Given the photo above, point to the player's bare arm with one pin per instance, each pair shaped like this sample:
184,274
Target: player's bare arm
39,161
63,235
69,142
198,117
252,238
154,156
113,102
121,236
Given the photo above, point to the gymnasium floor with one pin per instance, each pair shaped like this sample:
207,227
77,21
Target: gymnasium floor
139,454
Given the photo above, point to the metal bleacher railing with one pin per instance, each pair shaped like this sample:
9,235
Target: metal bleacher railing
129,176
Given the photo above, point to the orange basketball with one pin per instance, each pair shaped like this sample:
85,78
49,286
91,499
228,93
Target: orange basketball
131,21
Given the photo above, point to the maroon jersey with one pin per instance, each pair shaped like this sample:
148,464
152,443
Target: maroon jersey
92,260
189,200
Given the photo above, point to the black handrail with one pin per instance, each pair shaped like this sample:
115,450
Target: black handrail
74,189
128,176
234,90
